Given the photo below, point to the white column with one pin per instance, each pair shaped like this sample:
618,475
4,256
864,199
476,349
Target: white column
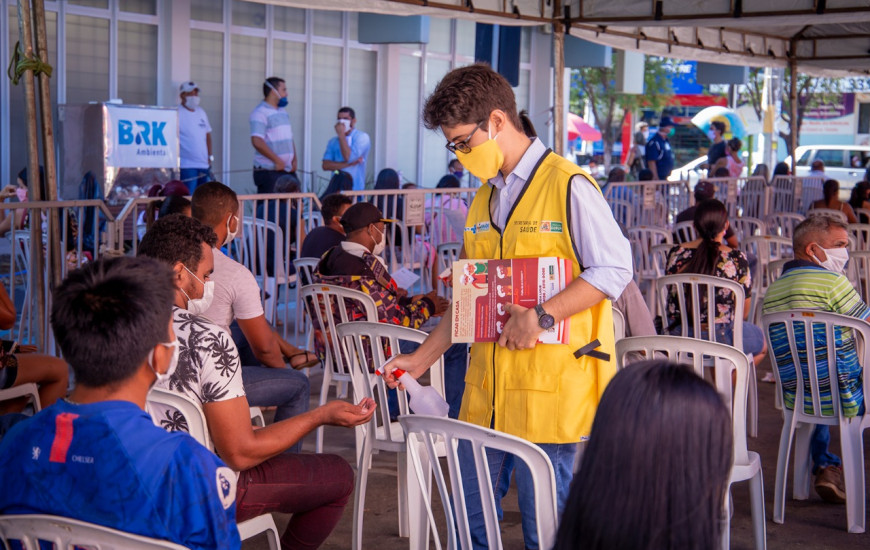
175,23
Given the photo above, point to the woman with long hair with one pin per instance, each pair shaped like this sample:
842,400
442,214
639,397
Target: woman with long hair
831,191
708,255
858,199
657,466
340,181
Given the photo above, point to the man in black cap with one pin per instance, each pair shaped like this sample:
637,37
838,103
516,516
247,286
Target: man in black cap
705,190
659,156
356,263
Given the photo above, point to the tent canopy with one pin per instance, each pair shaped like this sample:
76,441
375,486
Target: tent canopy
822,37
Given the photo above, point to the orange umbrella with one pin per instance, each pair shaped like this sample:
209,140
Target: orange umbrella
577,127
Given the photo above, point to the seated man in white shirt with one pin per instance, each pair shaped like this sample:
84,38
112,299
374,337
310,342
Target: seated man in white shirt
268,380
314,488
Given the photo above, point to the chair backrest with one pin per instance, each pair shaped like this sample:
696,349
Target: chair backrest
624,210
659,253
725,360
642,239
860,233
809,383
618,324
328,306
862,214
422,433
746,227
754,197
690,288
37,531
783,223
447,254
305,269
838,215
775,267
765,249
685,232
263,239
859,272
175,412
369,345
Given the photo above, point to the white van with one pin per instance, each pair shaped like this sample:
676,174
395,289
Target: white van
844,163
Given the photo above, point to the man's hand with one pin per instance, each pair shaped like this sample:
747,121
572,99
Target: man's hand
8,192
441,304
279,165
521,330
342,413
340,129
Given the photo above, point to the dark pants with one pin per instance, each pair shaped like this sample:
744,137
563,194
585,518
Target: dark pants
193,177
265,179
314,488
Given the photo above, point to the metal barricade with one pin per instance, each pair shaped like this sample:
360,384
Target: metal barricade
795,193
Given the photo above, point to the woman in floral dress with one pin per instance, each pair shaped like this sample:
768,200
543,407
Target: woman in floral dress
707,255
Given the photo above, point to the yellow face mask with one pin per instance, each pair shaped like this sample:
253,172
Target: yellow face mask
483,161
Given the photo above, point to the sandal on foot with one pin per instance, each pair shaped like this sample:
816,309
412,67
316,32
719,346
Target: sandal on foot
307,364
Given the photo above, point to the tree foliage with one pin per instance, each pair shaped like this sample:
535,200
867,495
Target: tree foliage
609,106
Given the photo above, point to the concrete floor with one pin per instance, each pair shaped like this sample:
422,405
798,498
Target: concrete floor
811,524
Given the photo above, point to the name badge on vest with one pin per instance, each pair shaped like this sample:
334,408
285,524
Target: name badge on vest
479,228
550,227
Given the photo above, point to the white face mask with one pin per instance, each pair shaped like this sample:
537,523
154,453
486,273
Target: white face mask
200,305
163,378
346,123
837,258
192,101
231,234
380,245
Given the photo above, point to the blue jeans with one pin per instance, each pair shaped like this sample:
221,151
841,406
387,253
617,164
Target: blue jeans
501,465
286,389
819,443
455,365
192,177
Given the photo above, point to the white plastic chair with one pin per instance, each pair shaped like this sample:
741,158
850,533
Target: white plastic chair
427,431
838,215
646,271
765,249
746,227
858,271
685,231
365,342
783,223
659,253
618,324
862,213
257,235
305,275
726,360
691,285
328,306
29,530
860,232
798,425
305,269
447,253
29,390
174,411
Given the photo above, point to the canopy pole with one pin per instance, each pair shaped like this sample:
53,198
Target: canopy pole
48,152
36,269
558,82
793,107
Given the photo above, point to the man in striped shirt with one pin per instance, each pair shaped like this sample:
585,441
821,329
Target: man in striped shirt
272,136
815,280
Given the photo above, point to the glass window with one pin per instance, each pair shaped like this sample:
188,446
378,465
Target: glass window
439,35
288,62
206,69
247,68
148,7
104,4
137,63
522,90
207,10
435,156
249,14
362,97
864,118
831,157
17,110
289,19
407,133
465,35
325,102
525,45
804,159
327,23
87,59
353,25
858,159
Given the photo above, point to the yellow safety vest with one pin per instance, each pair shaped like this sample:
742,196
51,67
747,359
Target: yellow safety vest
545,394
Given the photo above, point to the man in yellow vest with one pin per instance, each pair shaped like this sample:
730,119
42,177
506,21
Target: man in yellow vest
535,204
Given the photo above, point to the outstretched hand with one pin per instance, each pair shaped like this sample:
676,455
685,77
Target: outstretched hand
342,413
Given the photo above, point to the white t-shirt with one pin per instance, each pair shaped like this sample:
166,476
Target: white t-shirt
236,292
193,126
209,369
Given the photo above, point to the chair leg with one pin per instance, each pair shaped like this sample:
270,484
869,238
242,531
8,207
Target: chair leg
780,487
418,521
752,401
725,541
803,466
324,392
852,446
759,526
402,465
362,476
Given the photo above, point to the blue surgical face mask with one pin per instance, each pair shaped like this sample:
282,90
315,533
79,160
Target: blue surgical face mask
459,174
282,101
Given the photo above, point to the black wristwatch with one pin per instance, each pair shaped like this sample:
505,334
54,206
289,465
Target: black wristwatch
545,320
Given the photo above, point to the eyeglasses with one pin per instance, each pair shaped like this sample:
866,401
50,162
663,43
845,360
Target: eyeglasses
462,146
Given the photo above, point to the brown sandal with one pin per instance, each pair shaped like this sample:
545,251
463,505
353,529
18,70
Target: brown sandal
305,364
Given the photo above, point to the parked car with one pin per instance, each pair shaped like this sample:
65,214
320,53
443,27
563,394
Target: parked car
695,170
844,163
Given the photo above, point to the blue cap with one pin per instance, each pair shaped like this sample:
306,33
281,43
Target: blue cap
666,121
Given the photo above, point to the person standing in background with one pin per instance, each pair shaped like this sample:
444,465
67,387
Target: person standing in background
348,149
272,136
659,155
194,138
